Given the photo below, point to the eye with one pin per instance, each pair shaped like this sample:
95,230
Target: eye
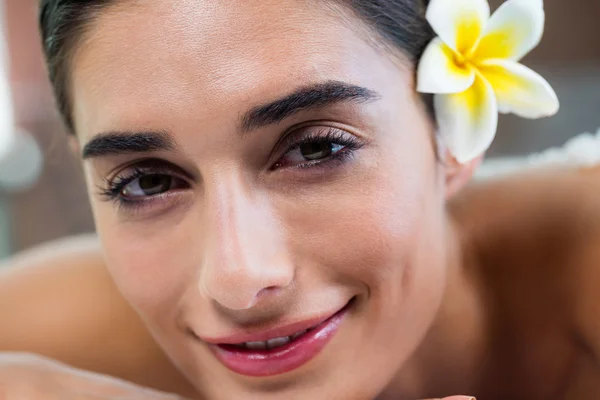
312,152
150,185
149,180
317,147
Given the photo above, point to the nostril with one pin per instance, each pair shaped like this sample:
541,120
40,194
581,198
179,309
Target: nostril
271,290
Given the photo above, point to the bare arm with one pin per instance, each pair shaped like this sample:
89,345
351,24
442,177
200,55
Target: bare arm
59,301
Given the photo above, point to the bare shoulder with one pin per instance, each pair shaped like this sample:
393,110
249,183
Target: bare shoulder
58,300
542,227
536,241
586,291
44,288
562,199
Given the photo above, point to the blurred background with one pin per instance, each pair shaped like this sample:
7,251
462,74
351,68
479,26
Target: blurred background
42,196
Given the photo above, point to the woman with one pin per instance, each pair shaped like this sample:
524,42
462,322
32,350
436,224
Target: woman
280,218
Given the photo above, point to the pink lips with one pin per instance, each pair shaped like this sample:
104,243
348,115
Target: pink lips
264,362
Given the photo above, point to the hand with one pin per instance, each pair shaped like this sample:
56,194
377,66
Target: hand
31,377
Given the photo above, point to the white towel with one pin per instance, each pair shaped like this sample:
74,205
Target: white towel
581,151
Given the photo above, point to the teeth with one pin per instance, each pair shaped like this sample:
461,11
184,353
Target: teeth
298,334
271,343
256,345
278,342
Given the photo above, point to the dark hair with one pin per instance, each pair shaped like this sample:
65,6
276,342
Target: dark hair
63,23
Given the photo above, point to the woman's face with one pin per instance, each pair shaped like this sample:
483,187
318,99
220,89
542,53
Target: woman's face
257,169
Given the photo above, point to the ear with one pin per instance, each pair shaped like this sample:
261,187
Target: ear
458,175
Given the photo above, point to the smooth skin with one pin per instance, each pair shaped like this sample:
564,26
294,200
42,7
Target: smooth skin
546,325
487,291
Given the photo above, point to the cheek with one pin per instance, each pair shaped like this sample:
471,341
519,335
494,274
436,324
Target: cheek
376,230
152,263
383,235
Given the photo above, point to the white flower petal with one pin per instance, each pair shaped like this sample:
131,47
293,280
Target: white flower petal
520,90
513,31
467,121
439,72
459,23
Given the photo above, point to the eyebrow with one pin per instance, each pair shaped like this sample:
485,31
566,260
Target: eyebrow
114,143
305,98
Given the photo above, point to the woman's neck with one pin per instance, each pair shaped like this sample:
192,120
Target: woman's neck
449,359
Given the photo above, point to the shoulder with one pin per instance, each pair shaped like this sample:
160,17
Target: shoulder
538,234
52,282
543,226
45,281
59,301
38,273
544,207
586,290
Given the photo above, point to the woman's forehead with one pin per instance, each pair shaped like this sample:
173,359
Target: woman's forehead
140,58
216,36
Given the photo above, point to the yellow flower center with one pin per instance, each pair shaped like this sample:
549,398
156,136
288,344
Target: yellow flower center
460,60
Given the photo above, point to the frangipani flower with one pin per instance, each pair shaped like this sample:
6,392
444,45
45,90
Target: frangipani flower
473,69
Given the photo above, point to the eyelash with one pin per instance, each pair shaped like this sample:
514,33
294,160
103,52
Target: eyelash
113,188
323,135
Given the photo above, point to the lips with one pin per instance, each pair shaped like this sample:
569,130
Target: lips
278,350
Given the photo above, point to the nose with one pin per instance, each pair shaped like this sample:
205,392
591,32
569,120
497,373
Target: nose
245,254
